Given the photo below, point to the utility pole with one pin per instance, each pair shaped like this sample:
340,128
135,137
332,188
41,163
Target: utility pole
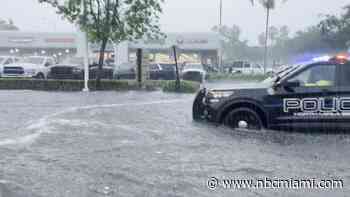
115,48
139,55
266,38
178,82
86,53
220,26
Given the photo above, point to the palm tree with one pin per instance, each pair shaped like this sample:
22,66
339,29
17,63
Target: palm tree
268,5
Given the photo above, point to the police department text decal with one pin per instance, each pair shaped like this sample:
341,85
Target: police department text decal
317,106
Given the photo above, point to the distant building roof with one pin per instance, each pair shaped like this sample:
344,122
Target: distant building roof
19,39
186,41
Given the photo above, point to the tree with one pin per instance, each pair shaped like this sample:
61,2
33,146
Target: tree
8,25
336,29
233,46
116,20
268,5
276,35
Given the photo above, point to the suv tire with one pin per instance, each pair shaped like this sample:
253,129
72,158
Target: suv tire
243,118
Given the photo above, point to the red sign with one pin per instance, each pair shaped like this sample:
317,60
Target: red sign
60,40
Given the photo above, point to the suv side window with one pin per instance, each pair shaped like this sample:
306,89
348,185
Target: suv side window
316,76
8,61
154,67
49,62
344,78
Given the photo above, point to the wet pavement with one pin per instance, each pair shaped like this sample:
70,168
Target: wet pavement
146,144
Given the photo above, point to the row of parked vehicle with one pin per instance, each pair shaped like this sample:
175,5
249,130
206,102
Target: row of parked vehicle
163,71
246,68
44,67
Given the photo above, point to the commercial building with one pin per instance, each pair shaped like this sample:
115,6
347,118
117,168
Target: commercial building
201,47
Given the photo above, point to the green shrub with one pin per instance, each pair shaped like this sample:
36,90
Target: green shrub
78,85
185,87
62,85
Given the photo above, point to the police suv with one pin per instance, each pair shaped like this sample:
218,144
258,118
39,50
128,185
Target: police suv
310,95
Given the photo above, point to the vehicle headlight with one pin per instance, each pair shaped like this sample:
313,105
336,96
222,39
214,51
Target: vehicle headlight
219,94
30,71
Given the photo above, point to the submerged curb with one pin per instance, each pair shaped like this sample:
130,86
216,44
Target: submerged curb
106,85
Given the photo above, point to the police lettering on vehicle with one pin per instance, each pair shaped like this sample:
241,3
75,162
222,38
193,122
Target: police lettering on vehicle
318,106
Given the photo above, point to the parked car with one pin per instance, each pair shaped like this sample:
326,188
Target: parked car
311,95
107,71
162,71
6,60
29,67
193,72
125,71
210,68
247,68
73,68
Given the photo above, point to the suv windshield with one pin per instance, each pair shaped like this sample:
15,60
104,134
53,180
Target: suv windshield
194,66
282,74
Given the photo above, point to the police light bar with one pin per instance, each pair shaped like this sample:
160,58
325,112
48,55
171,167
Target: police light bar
322,58
340,59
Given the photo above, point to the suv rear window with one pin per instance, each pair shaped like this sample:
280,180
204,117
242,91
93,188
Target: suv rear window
168,66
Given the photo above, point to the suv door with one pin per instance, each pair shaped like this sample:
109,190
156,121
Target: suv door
344,95
311,102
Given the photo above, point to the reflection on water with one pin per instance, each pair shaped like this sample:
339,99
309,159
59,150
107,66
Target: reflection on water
145,144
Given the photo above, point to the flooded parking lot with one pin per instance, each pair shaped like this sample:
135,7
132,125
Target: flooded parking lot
146,144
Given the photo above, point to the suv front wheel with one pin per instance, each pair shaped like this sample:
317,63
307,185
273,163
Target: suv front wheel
243,118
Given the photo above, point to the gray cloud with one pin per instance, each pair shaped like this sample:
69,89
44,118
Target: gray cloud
188,15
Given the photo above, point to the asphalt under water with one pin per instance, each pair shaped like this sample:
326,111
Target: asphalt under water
146,144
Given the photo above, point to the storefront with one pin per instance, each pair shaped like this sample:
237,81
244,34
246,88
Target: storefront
199,47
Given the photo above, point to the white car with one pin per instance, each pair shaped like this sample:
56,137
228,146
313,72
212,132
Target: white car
6,60
246,68
194,72
29,67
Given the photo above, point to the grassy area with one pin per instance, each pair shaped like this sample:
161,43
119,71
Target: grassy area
185,87
235,77
77,85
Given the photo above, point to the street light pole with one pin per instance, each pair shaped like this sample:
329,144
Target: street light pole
115,48
86,54
220,26
266,39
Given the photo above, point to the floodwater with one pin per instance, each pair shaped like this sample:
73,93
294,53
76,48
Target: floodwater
55,144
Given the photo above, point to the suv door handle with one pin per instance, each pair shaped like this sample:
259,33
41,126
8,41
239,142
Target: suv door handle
326,91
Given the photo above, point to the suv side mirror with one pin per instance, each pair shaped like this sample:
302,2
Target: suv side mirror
47,64
291,84
288,85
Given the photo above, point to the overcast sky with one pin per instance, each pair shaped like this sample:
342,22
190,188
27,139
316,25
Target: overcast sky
188,15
